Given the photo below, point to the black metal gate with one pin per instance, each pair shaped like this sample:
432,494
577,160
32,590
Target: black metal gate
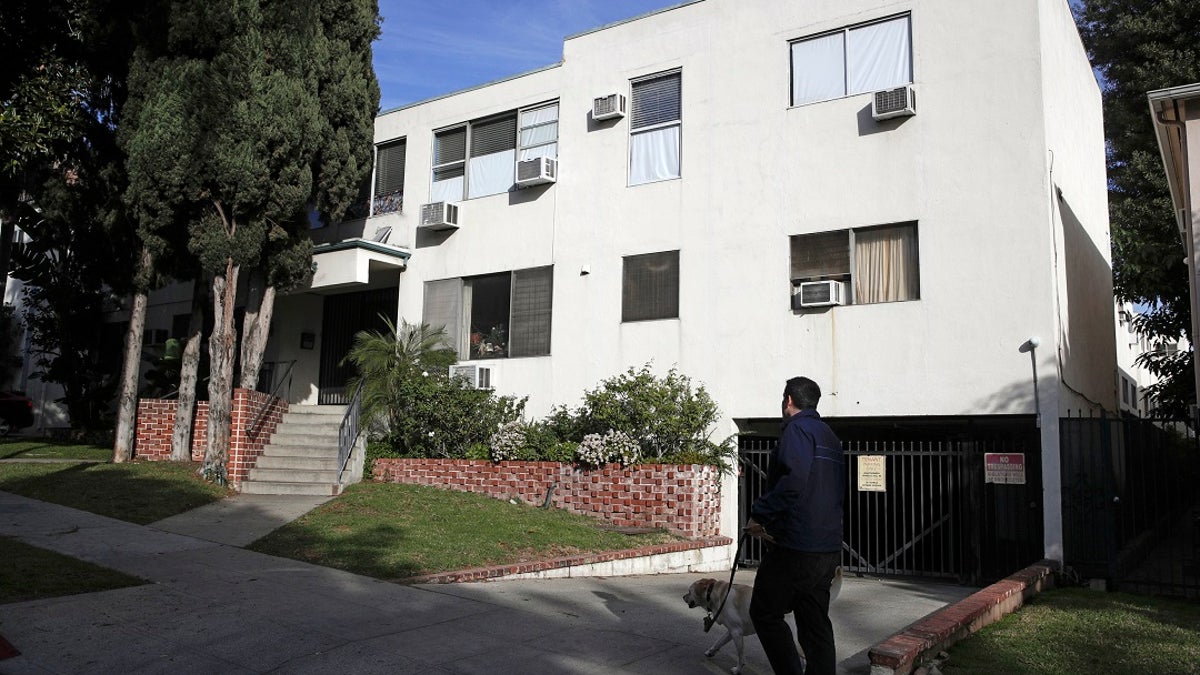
1131,508
929,513
342,318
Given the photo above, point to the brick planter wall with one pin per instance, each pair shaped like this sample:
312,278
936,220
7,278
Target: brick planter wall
684,499
156,419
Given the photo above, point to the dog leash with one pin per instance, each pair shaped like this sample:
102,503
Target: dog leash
710,620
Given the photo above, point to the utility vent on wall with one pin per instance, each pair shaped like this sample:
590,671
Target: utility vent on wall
898,102
537,171
608,107
439,216
818,294
479,377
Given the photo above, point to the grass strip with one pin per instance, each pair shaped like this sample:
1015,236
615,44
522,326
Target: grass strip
41,448
393,531
1074,630
32,573
137,492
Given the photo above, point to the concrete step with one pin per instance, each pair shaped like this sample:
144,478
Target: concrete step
294,462
294,475
257,487
288,437
309,425
321,411
324,451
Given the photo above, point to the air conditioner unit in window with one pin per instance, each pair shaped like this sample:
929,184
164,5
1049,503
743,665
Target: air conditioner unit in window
479,377
818,294
439,216
537,171
898,102
608,107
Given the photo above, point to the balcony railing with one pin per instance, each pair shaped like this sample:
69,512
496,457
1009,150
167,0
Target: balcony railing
392,202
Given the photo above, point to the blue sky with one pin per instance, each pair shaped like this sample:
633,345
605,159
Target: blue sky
430,48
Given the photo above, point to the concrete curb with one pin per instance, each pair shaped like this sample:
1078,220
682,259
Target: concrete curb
655,559
908,649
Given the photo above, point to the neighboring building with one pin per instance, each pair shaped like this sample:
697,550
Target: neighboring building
751,217
1176,116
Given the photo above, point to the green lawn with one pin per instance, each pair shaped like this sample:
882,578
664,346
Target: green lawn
392,531
31,573
40,448
1072,630
138,492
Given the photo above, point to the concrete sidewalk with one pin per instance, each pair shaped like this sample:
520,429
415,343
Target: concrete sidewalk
215,608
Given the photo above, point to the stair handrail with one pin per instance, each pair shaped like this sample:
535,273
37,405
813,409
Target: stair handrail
348,431
252,430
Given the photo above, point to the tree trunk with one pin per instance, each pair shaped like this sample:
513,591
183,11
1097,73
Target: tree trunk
256,327
127,407
220,382
181,436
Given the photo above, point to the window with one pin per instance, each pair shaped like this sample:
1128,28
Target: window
495,315
881,264
853,60
389,178
478,159
655,128
651,287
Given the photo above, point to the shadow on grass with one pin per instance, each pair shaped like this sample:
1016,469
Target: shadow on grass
41,448
382,551
137,492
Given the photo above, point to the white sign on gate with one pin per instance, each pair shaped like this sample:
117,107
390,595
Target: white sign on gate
872,473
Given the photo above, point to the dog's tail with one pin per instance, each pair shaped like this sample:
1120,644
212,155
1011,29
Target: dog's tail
836,587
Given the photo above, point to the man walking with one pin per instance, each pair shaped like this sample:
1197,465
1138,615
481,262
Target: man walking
800,519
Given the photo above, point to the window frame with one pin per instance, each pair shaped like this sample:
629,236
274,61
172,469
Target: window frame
465,163
658,126
376,193
845,31
848,277
626,303
460,338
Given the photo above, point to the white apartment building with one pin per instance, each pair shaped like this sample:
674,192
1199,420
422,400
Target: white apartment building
721,187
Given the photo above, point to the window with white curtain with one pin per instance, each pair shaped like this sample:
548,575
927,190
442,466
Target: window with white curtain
650,288
494,315
655,128
879,264
478,158
853,60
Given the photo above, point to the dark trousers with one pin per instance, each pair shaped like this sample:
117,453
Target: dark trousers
796,582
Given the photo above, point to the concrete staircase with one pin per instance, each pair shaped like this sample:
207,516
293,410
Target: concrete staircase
302,457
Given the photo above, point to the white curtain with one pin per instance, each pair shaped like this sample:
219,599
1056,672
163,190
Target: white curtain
548,150
886,268
654,155
491,174
449,190
818,69
878,56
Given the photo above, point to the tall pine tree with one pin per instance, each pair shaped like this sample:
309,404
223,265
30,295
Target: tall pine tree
1140,46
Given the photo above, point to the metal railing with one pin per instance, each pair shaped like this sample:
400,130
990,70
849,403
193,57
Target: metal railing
348,431
252,430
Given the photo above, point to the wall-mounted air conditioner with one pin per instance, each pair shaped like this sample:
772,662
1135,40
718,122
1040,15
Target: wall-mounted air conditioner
439,216
479,377
818,294
898,102
608,107
537,171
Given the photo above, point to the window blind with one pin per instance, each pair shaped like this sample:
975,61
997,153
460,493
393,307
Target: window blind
656,101
443,308
651,286
820,255
389,168
492,136
450,146
532,305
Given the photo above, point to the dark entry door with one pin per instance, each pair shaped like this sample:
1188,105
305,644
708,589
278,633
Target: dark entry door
342,317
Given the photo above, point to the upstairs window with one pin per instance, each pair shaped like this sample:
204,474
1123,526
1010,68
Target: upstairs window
651,287
878,264
389,178
853,60
655,128
478,158
495,315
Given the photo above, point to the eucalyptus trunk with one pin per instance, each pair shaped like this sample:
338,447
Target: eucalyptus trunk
221,347
130,370
189,366
256,327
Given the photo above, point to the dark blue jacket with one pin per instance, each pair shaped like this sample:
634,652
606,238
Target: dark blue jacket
806,484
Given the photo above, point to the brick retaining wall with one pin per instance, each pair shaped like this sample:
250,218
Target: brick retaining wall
682,498
156,420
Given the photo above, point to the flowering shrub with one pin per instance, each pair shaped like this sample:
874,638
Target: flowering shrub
507,442
613,446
